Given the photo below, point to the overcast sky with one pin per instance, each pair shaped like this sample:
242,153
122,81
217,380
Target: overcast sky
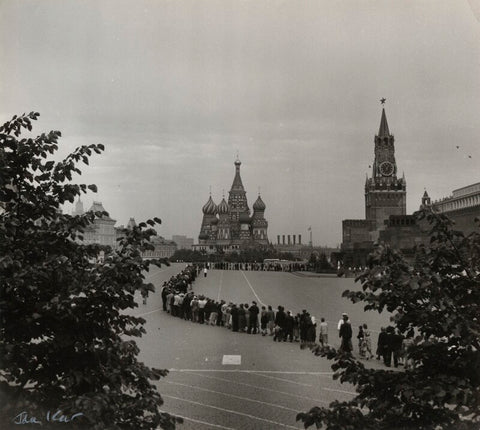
174,89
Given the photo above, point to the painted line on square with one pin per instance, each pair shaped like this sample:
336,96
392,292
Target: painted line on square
231,395
296,396
280,372
232,412
232,359
253,291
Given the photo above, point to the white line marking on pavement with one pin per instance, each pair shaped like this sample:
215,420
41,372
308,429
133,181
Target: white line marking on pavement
197,421
232,395
232,359
152,275
232,412
253,291
252,371
284,380
262,388
220,288
147,313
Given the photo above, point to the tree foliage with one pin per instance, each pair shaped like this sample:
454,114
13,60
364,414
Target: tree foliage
437,295
65,336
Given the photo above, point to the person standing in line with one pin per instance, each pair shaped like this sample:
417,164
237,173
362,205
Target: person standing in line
311,330
367,342
397,347
263,321
381,344
247,317
271,320
280,320
303,328
241,318
361,345
213,313
289,321
346,335
253,321
323,336
235,317
194,306
296,327
341,321
201,309
389,345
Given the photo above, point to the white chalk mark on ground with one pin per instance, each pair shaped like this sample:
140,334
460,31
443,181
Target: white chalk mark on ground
253,291
262,388
147,313
232,359
232,395
232,412
284,380
281,372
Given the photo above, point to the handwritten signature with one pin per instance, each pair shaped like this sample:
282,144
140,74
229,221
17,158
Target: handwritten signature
57,416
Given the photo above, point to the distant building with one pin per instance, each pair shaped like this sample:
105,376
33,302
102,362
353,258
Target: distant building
229,226
183,242
102,231
163,248
463,206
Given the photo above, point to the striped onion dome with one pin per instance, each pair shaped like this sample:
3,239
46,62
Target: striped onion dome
259,205
210,207
223,207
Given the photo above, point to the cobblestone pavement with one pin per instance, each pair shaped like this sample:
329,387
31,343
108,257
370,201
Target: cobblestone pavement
274,381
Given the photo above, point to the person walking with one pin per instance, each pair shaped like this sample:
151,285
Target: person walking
367,342
323,336
361,338
346,335
205,271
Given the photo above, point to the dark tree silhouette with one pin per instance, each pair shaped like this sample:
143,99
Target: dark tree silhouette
66,342
438,296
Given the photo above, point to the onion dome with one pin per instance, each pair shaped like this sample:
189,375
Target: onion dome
223,207
244,218
210,207
259,205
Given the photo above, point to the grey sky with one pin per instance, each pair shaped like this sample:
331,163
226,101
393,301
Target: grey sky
174,88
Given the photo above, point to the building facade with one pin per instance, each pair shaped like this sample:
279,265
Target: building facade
183,242
230,226
462,206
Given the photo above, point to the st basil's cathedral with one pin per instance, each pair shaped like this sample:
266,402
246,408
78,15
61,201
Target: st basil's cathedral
230,226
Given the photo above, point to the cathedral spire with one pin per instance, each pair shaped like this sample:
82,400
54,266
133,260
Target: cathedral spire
383,130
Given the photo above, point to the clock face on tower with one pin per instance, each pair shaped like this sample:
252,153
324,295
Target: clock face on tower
386,168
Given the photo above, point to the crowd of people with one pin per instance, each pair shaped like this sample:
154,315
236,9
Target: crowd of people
179,300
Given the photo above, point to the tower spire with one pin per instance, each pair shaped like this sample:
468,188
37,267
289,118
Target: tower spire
383,131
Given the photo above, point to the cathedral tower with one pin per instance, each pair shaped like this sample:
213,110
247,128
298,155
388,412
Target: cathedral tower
385,193
259,223
237,202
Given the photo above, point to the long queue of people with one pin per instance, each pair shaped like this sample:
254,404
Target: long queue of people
180,301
